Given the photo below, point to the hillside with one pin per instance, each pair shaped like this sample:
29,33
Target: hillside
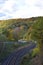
15,29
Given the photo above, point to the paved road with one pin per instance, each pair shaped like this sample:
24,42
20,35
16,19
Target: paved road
16,57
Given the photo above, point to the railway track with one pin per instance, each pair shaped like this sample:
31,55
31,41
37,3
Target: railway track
16,57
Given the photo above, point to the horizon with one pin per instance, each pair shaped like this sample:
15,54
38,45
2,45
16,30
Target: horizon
20,18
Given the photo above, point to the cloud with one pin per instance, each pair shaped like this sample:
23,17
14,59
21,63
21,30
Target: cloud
20,8
39,4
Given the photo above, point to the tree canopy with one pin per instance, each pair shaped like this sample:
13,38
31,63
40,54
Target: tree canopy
37,30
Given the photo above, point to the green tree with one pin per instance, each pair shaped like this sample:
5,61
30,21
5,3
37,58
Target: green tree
37,35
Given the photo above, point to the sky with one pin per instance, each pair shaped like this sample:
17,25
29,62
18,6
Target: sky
20,8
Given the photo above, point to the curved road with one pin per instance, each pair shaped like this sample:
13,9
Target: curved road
16,57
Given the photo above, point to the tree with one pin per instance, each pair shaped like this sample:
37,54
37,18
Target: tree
37,35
